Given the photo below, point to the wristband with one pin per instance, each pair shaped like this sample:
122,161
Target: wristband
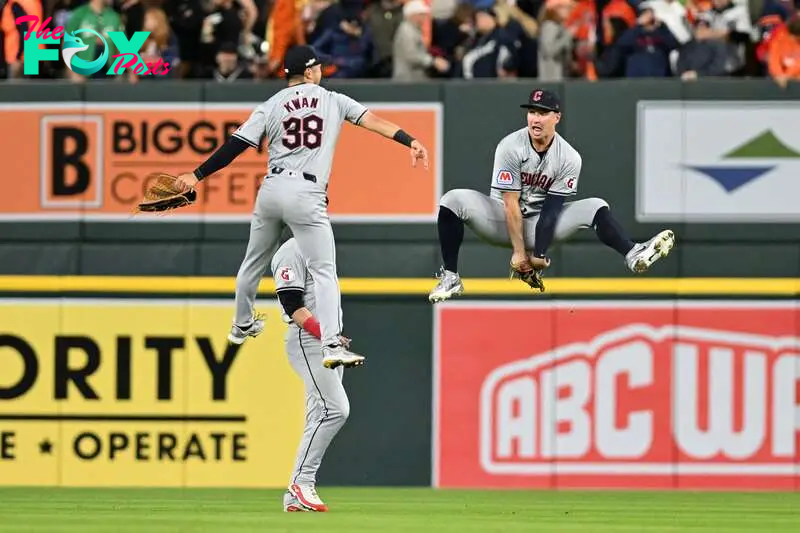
311,325
403,138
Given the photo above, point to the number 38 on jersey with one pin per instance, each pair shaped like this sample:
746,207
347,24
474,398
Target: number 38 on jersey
302,131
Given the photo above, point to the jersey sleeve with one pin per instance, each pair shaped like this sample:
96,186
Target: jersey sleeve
507,167
351,110
566,183
254,128
289,272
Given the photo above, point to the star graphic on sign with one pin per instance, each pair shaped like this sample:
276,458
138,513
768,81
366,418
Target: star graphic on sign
46,447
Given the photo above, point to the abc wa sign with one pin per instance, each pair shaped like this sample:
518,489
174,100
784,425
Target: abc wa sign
630,398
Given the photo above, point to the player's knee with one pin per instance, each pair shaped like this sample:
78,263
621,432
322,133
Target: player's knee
593,205
597,203
452,200
339,411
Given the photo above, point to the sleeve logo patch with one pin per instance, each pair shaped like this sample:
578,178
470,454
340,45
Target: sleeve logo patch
571,184
286,274
504,178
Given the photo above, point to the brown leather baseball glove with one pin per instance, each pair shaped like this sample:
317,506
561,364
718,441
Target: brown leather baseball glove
165,194
528,274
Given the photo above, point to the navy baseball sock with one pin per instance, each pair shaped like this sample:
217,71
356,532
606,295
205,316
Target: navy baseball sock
451,233
610,232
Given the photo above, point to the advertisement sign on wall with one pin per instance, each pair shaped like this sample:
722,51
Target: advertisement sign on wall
718,161
617,394
92,162
143,393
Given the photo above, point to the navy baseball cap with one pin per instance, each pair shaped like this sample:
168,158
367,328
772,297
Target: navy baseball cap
543,99
299,58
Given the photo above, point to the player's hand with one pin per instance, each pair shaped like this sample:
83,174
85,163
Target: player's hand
782,81
188,179
418,152
539,263
521,262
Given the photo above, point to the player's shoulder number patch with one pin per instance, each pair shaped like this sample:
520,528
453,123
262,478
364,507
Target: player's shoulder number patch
504,178
287,274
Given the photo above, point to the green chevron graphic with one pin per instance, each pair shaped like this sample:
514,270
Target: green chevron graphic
766,145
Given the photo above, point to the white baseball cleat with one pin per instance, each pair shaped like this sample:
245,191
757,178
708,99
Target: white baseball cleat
449,285
336,356
239,334
643,255
307,497
292,504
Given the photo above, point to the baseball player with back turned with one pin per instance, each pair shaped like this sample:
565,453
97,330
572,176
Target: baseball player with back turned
327,406
302,123
535,171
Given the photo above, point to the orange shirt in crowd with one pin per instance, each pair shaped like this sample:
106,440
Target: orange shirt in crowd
12,34
284,30
784,55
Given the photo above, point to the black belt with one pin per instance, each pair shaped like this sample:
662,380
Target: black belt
306,176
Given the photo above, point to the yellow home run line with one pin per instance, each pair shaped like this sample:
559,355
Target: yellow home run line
412,286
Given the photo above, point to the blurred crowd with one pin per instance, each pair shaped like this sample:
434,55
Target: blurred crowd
415,40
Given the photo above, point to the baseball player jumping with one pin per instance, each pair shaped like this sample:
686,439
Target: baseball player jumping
302,124
327,406
535,171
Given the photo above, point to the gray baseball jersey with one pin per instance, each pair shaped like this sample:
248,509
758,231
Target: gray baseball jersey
302,125
326,402
290,273
518,167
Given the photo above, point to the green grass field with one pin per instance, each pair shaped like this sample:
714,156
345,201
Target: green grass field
357,510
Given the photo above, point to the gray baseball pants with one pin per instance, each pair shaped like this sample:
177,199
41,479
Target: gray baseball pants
327,406
486,217
300,204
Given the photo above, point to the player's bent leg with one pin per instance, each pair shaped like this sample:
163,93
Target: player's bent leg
327,411
483,215
639,257
265,230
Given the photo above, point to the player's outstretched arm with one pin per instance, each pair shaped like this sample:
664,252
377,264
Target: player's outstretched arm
220,159
381,126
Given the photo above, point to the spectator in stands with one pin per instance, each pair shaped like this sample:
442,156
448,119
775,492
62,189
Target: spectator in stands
555,42
98,16
186,20
161,46
229,66
616,21
383,18
491,54
730,23
703,56
285,29
349,45
672,13
451,37
12,33
523,28
784,54
411,58
222,25
644,49
320,16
